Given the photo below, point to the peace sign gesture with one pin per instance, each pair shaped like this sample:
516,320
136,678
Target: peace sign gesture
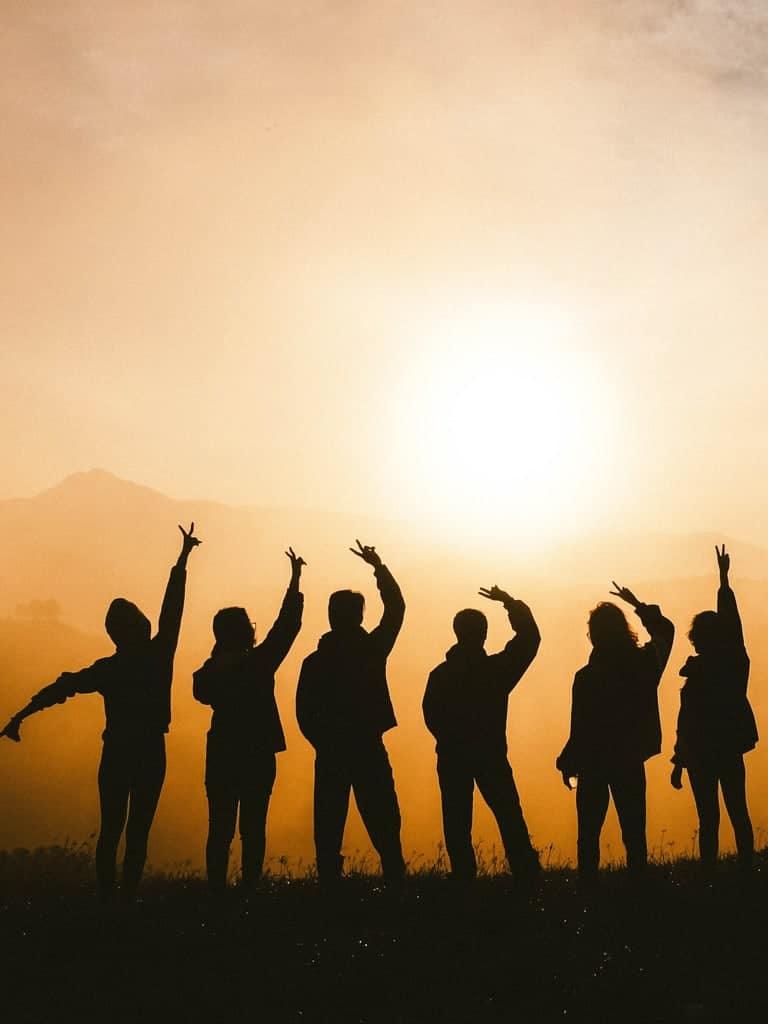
723,561
368,554
625,594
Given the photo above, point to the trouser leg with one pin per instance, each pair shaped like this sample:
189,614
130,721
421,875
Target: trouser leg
733,782
256,789
332,787
591,809
374,789
497,787
628,789
704,782
457,787
114,787
147,780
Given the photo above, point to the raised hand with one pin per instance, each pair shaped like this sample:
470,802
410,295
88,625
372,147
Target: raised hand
723,560
189,541
367,553
495,593
12,730
296,562
625,594
676,778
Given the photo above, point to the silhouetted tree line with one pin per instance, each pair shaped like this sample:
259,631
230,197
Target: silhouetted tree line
343,707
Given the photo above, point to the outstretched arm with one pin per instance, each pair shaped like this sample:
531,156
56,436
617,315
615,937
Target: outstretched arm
169,623
67,685
727,609
523,647
286,627
660,629
391,622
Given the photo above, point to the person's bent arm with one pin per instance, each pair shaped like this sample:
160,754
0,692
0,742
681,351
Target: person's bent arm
523,647
172,610
308,709
391,622
285,629
660,629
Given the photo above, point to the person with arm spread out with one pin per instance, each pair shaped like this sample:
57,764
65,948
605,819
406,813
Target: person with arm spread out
716,726
135,683
344,708
238,683
465,709
615,727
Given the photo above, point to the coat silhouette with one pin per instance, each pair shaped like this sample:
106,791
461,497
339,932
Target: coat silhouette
615,728
715,725
135,683
343,708
465,709
238,682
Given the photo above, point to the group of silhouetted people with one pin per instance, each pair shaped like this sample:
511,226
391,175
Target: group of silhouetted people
343,707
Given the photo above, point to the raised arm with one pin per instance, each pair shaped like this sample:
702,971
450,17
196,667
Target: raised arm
523,647
727,608
391,622
169,623
279,639
660,629
87,680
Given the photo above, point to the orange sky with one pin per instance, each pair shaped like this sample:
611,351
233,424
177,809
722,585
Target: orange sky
235,243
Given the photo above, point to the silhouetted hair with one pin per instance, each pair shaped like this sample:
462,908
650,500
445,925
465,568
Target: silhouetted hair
345,609
470,627
233,630
705,630
126,623
608,627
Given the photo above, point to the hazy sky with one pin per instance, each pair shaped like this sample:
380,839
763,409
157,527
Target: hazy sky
426,258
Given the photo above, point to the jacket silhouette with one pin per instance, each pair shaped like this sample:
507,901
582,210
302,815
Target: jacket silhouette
465,709
343,708
238,682
135,684
716,725
615,727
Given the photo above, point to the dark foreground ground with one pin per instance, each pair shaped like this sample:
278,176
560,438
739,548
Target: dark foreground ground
679,948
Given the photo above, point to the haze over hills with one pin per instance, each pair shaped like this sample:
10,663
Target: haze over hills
95,536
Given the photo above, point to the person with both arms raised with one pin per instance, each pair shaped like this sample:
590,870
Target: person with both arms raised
716,726
465,709
238,682
344,708
135,683
615,727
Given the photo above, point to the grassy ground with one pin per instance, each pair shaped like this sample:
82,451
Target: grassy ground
679,947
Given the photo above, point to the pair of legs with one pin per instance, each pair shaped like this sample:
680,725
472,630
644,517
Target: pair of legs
362,768
728,774
131,775
626,784
236,777
458,772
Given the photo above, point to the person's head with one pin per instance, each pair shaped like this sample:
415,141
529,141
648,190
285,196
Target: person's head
126,624
345,609
233,630
705,633
470,627
609,629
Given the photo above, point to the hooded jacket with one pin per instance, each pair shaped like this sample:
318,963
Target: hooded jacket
716,718
134,682
240,685
342,695
466,699
615,709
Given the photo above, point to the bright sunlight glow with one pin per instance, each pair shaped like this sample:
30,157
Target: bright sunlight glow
505,426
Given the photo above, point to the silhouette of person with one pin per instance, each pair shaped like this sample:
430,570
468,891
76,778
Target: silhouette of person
716,726
135,683
615,727
465,709
344,708
238,682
